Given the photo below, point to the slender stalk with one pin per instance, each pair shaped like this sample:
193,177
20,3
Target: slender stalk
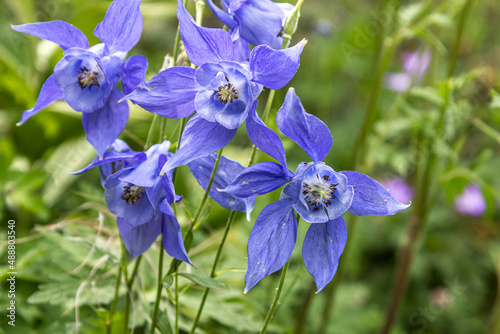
419,219
209,187
274,305
214,267
130,280
176,303
370,114
494,323
115,298
158,290
301,320
149,138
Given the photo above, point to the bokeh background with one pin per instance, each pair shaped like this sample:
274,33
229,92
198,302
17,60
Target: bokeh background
68,246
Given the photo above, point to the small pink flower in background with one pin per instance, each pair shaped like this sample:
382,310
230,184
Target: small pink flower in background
399,189
415,65
441,297
471,201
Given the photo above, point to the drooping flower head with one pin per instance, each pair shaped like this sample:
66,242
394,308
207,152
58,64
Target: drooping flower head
415,65
141,199
221,90
86,77
471,201
318,193
255,21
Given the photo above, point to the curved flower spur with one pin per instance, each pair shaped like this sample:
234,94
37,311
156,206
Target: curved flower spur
221,90
318,193
86,77
141,199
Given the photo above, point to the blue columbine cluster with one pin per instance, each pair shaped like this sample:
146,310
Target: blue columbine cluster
223,90
86,78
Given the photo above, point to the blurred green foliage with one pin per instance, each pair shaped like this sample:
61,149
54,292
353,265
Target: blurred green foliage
68,247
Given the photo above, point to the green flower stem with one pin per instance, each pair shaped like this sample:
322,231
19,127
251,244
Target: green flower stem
494,322
149,138
115,298
370,117
418,221
214,267
274,305
176,303
158,289
130,281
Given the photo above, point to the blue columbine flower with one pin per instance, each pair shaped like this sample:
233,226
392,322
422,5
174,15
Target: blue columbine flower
141,199
226,172
255,21
86,77
221,90
318,193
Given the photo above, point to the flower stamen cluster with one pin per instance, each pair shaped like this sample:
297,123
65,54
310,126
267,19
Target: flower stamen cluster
132,194
322,193
87,78
226,93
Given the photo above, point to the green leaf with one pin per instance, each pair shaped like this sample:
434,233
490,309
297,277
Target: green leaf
103,314
164,325
167,281
207,282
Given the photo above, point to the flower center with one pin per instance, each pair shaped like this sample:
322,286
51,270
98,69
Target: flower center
320,193
87,78
132,194
226,93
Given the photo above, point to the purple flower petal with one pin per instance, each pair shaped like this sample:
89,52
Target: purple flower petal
398,82
172,235
170,93
49,93
370,197
323,245
308,131
105,124
258,179
275,68
225,18
122,26
203,45
112,156
146,174
471,201
134,73
264,138
271,242
138,239
260,21
226,172
60,32
199,139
